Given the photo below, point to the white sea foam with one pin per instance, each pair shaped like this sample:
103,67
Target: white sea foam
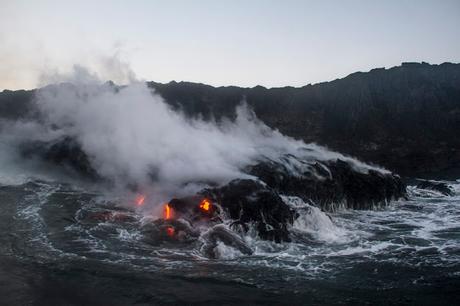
223,251
312,220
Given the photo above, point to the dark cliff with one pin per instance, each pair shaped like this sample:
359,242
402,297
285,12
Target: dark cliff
406,118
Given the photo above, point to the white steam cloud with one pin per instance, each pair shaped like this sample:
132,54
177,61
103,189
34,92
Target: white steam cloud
132,136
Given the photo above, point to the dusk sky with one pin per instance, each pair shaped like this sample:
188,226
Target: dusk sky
245,43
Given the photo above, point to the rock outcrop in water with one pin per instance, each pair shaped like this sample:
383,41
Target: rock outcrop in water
441,187
256,203
322,183
252,203
330,183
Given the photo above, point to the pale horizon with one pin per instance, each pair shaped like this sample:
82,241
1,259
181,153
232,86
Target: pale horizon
271,44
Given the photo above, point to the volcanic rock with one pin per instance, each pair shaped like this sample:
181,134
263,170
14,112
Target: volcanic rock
220,233
251,202
436,186
177,231
329,183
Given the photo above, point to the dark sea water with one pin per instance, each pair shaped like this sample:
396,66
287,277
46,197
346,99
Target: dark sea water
64,245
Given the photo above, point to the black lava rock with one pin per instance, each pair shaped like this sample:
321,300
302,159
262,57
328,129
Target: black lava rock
328,183
249,201
436,186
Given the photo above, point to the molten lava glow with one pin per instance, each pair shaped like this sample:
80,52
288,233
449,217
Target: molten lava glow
168,212
140,200
170,231
205,205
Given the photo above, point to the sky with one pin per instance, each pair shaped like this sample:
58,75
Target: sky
243,43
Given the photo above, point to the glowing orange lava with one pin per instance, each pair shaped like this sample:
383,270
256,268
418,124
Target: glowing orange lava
168,212
170,231
205,205
140,200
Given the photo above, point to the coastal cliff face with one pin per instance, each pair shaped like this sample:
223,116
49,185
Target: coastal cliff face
405,118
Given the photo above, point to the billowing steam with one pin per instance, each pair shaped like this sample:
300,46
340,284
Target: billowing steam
132,136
